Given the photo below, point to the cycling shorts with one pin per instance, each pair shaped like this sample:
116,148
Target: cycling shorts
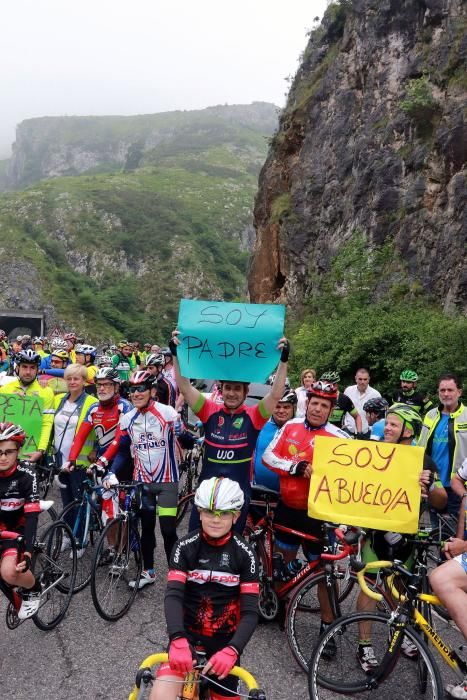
162,495
462,559
297,520
210,647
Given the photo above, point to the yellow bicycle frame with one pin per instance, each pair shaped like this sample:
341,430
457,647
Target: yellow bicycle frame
156,659
445,651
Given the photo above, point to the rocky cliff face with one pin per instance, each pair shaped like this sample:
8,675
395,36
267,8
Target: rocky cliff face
373,139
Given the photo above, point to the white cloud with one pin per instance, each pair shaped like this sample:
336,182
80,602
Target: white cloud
116,57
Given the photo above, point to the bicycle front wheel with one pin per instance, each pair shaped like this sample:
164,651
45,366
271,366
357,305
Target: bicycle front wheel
86,526
117,562
335,669
55,569
303,618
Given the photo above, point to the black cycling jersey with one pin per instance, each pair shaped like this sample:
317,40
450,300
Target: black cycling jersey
343,405
19,502
417,400
212,590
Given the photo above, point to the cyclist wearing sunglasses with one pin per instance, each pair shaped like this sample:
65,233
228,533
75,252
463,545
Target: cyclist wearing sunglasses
212,594
149,429
19,510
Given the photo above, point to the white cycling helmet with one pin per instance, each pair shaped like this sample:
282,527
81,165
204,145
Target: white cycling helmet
219,494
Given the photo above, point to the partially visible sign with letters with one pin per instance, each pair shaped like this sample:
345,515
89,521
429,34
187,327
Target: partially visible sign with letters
368,484
25,411
224,340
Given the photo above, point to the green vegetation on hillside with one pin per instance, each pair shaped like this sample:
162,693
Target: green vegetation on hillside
116,251
344,329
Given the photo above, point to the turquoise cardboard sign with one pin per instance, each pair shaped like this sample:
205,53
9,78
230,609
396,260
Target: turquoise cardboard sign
224,340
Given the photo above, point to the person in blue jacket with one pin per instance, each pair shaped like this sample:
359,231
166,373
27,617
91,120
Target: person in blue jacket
284,411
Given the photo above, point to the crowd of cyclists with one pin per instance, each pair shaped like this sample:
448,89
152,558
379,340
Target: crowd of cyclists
121,411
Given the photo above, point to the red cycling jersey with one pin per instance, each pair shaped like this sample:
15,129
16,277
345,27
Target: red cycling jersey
295,443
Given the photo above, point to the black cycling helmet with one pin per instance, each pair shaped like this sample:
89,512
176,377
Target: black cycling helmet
378,406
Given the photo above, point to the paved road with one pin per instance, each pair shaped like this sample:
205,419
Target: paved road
88,658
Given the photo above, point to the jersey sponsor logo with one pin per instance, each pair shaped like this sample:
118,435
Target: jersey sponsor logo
203,576
183,543
11,503
251,556
238,422
225,559
149,441
225,454
220,421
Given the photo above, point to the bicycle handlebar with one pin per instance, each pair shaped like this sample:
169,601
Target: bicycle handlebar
348,548
361,571
163,657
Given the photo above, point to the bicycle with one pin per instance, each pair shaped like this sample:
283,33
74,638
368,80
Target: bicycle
55,573
189,470
46,470
83,515
195,686
301,592
394,673
118,558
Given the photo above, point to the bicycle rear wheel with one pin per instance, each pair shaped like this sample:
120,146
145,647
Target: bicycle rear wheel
182,506
303,618
342,675
56,571
117,561
86,526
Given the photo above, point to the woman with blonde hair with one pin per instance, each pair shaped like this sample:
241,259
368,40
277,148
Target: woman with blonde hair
307,378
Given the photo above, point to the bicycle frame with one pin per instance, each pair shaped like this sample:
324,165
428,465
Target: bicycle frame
408,611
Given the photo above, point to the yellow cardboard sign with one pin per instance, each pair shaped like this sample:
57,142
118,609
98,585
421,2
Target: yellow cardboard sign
368,484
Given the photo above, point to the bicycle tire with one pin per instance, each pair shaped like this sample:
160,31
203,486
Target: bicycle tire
343,676
45,520
50,563
111,594
182,507
268,600
86,541
303,621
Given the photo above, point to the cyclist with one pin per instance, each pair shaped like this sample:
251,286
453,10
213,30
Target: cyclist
284,411
407,393
165,390
444,435
290,454
375,411
26,384
149,428
53,376
449,581
402,426
86,356
38,343
4,352
231,428
344,405
19,510
70,340
212,594
123,361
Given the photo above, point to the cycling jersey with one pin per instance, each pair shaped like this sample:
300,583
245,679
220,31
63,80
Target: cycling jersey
344,405
212,589
19,502
165,391
123,365
413,398
35,389
456,435
295,443
104,419
230,439
150,433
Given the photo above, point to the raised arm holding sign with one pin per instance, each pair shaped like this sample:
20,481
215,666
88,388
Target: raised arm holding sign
231,429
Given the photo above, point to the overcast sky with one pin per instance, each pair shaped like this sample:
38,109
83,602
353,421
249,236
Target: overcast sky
119,57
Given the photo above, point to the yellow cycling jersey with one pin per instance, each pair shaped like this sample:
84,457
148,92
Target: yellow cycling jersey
47,396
